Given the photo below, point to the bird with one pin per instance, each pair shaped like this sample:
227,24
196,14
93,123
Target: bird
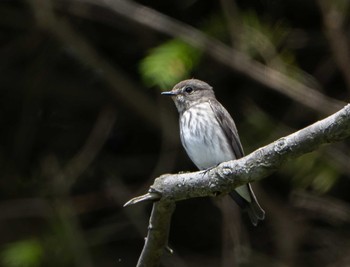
209,135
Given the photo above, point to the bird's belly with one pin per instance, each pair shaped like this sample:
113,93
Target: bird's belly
204,155
205,150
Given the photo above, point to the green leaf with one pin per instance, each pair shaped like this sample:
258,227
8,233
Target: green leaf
24,253
169,63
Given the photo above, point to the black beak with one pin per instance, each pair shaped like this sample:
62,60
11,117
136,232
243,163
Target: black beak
170,93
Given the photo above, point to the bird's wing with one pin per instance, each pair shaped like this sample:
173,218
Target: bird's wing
243,195
227,124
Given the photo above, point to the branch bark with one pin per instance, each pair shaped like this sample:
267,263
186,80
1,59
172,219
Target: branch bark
158,232
169,188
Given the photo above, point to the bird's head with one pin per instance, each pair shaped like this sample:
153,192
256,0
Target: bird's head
190,92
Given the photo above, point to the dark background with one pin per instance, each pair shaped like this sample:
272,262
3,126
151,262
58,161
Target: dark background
84,129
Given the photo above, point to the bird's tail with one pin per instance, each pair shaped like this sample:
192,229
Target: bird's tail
252,207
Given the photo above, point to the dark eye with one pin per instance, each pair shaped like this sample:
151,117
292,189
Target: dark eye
188,89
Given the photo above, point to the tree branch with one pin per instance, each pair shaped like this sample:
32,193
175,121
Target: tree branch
225,177
158,232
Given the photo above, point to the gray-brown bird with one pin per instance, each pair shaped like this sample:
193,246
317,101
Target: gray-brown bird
209,136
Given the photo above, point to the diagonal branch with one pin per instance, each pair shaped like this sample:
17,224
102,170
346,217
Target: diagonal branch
228,56
227,176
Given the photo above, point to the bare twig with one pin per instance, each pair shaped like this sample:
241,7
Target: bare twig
228,175
145,197
237,61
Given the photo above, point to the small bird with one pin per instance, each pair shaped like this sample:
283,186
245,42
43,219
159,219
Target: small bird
209,136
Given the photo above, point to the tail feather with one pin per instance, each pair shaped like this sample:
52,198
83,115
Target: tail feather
255,212
252,207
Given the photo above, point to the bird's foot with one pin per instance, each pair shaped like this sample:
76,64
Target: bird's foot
204,172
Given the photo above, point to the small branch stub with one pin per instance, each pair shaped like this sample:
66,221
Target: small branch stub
146,197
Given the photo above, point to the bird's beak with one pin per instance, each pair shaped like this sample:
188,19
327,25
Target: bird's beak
170,93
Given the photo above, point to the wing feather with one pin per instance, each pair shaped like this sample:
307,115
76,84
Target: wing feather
228,125
243,195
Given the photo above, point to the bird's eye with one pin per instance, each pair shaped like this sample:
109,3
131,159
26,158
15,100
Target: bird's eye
188,89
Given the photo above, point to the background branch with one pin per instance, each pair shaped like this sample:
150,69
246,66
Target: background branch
232,58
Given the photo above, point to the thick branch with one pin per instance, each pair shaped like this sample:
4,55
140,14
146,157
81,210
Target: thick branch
228,175
257,165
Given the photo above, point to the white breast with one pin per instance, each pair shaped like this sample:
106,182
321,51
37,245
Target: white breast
203,138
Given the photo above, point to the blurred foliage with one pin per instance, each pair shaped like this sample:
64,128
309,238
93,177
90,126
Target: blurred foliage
340,5
24,253
312,171
175,60
169,63
216,26
59,243
259,38
267,42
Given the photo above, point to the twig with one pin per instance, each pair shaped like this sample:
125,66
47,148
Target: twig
149,196
228,175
